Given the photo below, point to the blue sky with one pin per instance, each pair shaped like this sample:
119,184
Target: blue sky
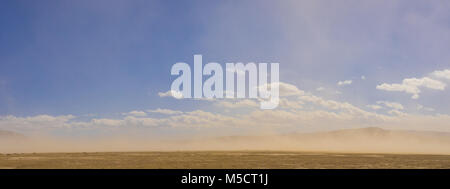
101,59
64,57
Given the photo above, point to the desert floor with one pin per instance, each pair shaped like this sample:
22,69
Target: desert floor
220,160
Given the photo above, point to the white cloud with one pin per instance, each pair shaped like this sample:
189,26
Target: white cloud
393,105
421,107
35,122
375,107
107,122
442,74
346,82
246,103
128,121
165,111
412,86
131,121
320,88
344,117
397,112
300,111
136,113
286,89
363,77
174,94
291,104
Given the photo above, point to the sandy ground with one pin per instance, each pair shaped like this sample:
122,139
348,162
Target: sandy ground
221,160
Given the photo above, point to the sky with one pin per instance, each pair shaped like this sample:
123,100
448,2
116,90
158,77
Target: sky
88,68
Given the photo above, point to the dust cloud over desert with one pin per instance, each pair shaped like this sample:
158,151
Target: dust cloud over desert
365,140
